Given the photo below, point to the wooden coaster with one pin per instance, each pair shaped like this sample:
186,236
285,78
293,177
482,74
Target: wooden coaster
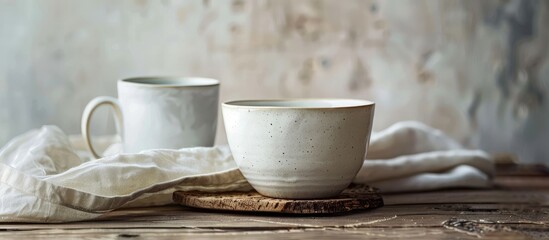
358,197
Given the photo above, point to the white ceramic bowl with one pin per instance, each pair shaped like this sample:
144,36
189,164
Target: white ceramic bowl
299,148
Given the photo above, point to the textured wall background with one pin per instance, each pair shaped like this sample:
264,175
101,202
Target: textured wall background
477,69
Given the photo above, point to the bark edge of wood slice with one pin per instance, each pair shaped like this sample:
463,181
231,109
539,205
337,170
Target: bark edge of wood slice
356,197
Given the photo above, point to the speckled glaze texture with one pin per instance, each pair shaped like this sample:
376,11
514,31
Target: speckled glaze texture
299,153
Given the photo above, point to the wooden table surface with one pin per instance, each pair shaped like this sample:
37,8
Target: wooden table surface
517,208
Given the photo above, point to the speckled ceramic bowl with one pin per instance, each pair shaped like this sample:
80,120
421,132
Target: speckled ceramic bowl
299,148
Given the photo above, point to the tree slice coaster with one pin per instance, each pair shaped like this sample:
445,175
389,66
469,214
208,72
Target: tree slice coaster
358,197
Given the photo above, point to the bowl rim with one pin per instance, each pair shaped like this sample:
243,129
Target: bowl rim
360,103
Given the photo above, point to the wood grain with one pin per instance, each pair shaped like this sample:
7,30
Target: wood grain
354,198
512,210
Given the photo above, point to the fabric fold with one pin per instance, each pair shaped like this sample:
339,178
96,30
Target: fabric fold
45,178
439,161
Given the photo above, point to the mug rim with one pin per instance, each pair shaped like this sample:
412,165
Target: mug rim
241,103
147,81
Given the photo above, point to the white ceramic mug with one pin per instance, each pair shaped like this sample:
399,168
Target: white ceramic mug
300,148
160,113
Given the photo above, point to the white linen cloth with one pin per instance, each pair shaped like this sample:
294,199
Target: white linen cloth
45,178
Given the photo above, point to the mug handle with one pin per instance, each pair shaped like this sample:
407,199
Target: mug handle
88,111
